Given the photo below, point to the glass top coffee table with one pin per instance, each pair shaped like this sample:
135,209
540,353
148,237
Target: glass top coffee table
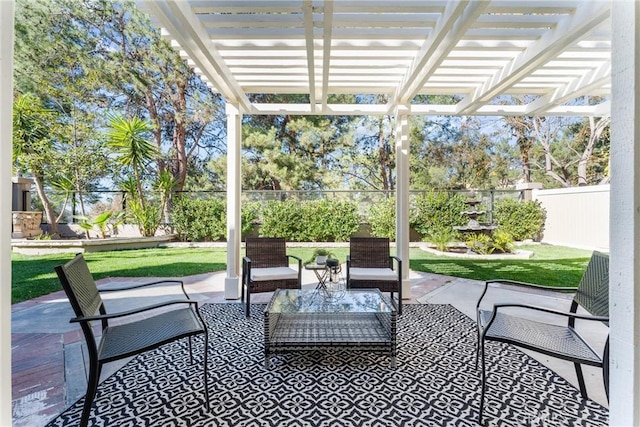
301,319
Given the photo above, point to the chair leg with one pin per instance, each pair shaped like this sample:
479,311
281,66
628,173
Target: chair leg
190,352
605,368
477,345
92,388
246,310
583,388
483,386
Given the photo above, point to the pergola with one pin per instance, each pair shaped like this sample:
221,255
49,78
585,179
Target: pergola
389,52
549,53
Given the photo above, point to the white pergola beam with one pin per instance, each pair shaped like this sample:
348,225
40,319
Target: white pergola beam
568,31
307,7
578,87
457,18
187,30
327,38
424,109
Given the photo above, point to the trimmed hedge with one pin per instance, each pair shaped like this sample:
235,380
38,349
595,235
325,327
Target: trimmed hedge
310,221
197,220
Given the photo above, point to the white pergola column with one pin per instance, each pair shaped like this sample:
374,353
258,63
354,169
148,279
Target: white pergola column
234,184
624,296
6,103
402,195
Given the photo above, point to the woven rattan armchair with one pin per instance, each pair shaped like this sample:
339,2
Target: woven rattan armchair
505,322
265,267
370,265
126,339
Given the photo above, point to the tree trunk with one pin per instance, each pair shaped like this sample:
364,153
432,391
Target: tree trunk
596,130
48,209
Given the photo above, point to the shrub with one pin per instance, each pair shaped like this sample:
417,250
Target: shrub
310,221
199,219
249,215
382,218
441,237
521,219
502,241
147,218
437,211
281,219
480,243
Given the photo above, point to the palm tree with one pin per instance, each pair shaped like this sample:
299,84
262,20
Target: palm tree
129,139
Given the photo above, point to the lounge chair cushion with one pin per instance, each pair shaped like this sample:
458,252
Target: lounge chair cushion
357,273
273,273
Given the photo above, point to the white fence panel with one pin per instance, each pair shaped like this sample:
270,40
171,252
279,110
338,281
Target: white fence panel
577,217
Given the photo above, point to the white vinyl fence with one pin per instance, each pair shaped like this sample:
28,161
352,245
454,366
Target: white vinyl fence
577,217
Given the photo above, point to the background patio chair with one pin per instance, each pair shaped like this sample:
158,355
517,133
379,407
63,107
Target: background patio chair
126,339
505,323
370,265
265,267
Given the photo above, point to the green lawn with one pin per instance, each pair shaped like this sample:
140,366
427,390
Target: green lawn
33,276
549,265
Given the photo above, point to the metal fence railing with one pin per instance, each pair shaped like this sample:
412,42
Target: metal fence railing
96,202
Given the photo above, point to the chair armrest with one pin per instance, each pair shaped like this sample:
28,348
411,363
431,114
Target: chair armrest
497,307
131,312
523,284
532,285
398,260
142,285
296,257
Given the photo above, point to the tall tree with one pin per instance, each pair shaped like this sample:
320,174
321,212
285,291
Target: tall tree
33,146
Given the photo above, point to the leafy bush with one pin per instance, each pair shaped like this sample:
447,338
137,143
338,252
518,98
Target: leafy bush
521,219
250,214
382,218
310,221
437,211
480,243
441,237
206,220
147,218
199,219
502,241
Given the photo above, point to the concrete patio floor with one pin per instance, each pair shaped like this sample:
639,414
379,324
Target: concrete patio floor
49,356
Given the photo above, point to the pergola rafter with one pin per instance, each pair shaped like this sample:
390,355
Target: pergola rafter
477,51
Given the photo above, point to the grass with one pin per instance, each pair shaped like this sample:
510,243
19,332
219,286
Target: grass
550,265
33,276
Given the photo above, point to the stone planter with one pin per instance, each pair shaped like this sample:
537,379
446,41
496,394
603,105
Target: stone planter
25,224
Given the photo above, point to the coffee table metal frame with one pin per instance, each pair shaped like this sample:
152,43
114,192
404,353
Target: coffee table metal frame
301,320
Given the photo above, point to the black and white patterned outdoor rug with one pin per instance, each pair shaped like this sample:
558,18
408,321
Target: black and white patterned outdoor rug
434,384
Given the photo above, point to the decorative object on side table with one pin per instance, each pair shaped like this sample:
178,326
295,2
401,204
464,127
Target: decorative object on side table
319,256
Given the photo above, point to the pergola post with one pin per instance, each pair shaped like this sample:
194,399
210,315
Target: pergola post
624,302
6,95
234,183
402,195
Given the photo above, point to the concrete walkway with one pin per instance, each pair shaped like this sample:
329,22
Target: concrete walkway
49,356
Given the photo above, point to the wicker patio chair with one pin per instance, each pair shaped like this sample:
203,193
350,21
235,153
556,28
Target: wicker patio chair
125,339
504,323
370,265
265,267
